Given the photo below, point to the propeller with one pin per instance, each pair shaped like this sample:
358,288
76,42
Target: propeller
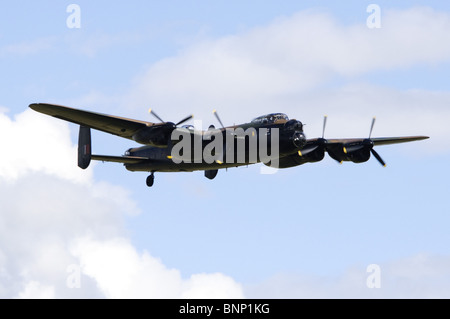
378,157
321,142
155,115
218,118
374,153
187,118
324,125
220,159
371,127
366,143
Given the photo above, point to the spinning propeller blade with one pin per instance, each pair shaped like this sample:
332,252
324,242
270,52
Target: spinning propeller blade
378,157
162,121
321,142
185,120
371,127
324,125
374,153
218,118
155,115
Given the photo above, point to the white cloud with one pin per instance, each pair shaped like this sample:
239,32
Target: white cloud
90,45
213,286
80,42
410,112
33,143
287,66
54,215
40,216
420,276
298,53
35,290
121,272
29,48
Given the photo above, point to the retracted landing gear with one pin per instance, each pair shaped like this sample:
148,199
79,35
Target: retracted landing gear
150,180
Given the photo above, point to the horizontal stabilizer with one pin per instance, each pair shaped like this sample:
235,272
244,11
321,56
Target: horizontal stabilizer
119,159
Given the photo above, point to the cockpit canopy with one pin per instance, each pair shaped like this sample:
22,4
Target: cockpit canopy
271,118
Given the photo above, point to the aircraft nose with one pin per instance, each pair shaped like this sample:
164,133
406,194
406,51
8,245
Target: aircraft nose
294,125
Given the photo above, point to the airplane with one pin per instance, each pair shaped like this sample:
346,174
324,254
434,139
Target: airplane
157,155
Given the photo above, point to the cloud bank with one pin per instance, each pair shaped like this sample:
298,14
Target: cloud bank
419,276
59,226
62,232
308,65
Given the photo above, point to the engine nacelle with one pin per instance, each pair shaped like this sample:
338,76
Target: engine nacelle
296,159
158,135
360,156
356,153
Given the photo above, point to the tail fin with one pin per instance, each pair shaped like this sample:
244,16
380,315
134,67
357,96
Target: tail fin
84,147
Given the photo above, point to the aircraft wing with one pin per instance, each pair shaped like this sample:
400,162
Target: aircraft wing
119,126
376,140
357,150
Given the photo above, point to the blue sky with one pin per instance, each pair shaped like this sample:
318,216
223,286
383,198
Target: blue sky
308,231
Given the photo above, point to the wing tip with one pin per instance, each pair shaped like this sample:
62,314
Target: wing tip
34,106
40,107
420,138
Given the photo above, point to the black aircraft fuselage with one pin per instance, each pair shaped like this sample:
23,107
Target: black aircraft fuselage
239,142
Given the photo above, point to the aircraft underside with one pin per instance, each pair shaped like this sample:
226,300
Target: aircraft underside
155,166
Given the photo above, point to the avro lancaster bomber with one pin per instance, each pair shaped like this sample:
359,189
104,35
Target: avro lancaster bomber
272,139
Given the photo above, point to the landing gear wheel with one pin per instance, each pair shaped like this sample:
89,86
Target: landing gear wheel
150,180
